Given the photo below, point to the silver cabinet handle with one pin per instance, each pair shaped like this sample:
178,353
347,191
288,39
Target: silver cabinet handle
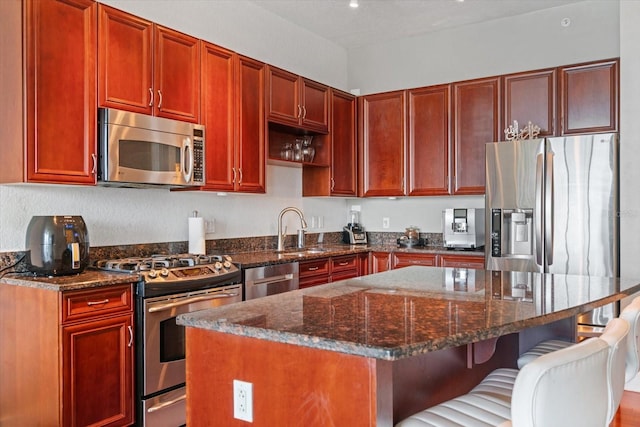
167,403
299,111
240,173
304,112
130,343
104,301
159,99
344,263
150,97
170,305
333,184
234,174
94,158
313,268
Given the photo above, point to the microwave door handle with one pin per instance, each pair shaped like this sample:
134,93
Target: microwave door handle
187,159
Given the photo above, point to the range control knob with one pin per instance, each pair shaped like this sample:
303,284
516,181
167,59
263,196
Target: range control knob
164,272
227,258
152,273
227,265
217,265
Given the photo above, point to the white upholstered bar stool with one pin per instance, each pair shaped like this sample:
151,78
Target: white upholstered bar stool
570,387
631,314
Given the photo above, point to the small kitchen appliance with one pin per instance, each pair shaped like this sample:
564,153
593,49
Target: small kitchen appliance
463,228
411,238
57,245
353,233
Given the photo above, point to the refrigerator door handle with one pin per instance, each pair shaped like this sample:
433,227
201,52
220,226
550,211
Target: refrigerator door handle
538,210
548,210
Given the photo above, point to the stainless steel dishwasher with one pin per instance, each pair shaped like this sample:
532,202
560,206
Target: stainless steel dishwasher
270,280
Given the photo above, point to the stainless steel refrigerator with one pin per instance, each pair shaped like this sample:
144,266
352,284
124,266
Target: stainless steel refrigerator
552,207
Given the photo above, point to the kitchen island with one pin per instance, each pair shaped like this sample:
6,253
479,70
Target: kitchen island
374,349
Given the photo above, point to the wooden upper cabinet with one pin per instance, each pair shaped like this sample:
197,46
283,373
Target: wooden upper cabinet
147,68
125,61
251,126
218,107
297,102
476,118
60,41
382,144
343,144
531,97
176,75
429,130
589,98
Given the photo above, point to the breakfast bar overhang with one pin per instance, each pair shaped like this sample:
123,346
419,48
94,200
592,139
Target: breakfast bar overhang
372,350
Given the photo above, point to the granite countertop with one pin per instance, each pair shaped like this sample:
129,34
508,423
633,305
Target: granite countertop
261,258
413,310
89,278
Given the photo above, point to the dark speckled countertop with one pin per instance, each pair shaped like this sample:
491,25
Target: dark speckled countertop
413,310
89,278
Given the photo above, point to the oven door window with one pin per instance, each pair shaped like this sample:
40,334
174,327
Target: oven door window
172,341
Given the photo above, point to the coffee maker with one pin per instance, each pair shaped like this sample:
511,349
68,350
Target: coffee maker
353,233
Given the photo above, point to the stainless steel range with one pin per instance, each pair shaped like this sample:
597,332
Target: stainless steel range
171,285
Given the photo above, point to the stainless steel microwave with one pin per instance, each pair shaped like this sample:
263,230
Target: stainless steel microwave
137,150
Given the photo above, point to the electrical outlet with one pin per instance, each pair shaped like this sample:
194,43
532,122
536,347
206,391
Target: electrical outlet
243,401
210,226
385,222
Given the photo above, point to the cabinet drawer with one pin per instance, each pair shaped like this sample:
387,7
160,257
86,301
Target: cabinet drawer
313,281
84,304
461,261
314,268
403,259
342,263
343,275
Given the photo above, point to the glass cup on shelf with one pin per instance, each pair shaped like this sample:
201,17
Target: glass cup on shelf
286,153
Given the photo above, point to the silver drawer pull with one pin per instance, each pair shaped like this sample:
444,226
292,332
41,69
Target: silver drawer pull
90,303
313,268
344,263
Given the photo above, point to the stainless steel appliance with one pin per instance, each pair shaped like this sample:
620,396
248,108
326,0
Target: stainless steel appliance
463,228
270,280
353,233
57,245
171,285
137,150
553,207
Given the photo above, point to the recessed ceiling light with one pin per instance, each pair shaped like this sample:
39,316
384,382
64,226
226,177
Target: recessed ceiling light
353,3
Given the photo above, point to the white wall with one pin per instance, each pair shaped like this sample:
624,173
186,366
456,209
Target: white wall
525,42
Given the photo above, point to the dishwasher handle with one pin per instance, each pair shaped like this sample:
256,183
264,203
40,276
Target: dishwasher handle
273,279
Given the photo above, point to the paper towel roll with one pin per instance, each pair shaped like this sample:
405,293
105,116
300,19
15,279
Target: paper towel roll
196,235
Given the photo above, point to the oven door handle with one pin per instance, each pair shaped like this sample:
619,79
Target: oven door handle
170,305
167,403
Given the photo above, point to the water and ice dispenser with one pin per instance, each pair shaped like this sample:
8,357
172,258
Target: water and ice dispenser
511,232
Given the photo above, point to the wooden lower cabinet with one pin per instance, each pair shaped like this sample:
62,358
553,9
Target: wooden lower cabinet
405,259
324,270
383,261
379,261
464,261
66,358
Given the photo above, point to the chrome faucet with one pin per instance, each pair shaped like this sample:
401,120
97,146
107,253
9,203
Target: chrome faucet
303,225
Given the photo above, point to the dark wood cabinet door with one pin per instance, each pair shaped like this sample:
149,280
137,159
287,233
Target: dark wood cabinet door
531,97
125,61
218,107
60,105
589,98
315,106
343,144
379,261
98,372
176,75
283,97
382,144
250,153
476,118
429,130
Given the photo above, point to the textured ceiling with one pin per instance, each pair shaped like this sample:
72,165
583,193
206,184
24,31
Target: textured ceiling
377,21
